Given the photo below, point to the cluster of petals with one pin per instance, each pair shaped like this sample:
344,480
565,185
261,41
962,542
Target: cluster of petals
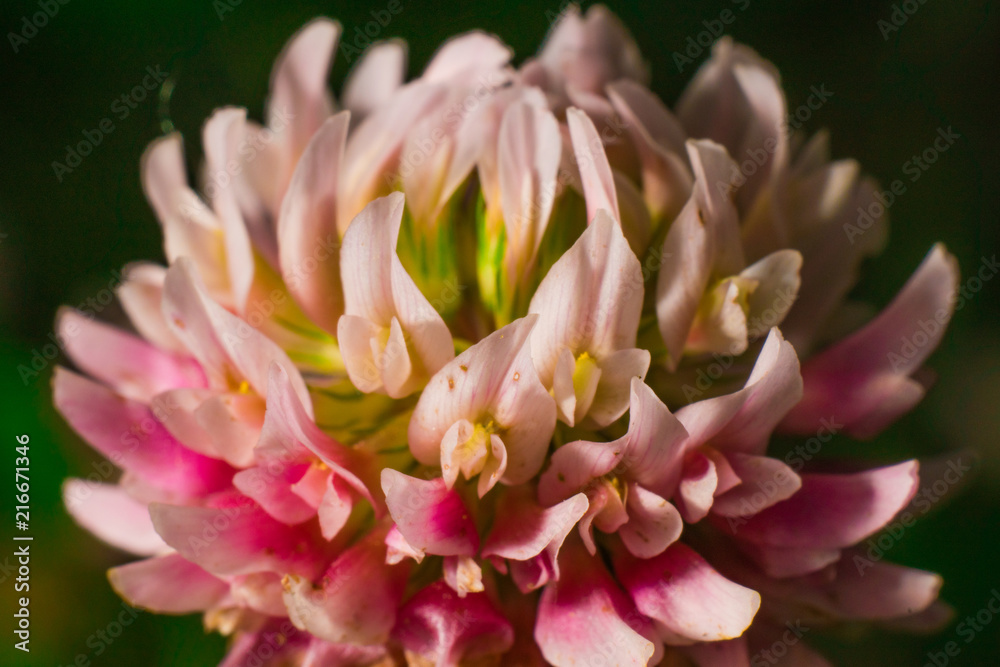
431,378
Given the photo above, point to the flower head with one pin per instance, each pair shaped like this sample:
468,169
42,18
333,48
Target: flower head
484,367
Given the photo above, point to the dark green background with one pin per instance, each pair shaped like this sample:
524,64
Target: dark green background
63,240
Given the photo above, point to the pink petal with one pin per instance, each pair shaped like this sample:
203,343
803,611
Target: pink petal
128,434
439,626
494,380
227,347
329,608
271,489
325,654
261,591
130,365
378,289
167,584
687,598
237,537
744,420
112,515
595,172
311,269
431,517
765,481
866,376
575,465
736,100
525,531
290,436
696,491
834,511
584,617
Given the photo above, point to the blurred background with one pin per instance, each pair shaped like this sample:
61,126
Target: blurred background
64,236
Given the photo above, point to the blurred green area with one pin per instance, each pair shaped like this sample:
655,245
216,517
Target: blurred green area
60,242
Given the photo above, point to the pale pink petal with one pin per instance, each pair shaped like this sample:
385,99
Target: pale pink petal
298,82
233,421
329,609
618,371
140,294
590,302
222,135
493,381
335,507
375,78
687,598
112,515
595,172
308,240
703,241
653,523
466,56
777,277
574,465
440,627
744,420
659,139
696,491
736,100
585,618
529,148
834,511
167,584
463,575
289,435
127,433
654,443
378,289
260,591
431,517
864,380
228,348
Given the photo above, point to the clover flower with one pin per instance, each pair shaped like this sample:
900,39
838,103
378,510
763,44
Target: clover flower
437,377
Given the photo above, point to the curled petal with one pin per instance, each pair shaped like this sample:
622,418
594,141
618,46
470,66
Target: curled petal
167,584
429,515
688,599
110,514
308,240
408,341
595,172
584,617
375,78
493,384
864,380
439,626
329,609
